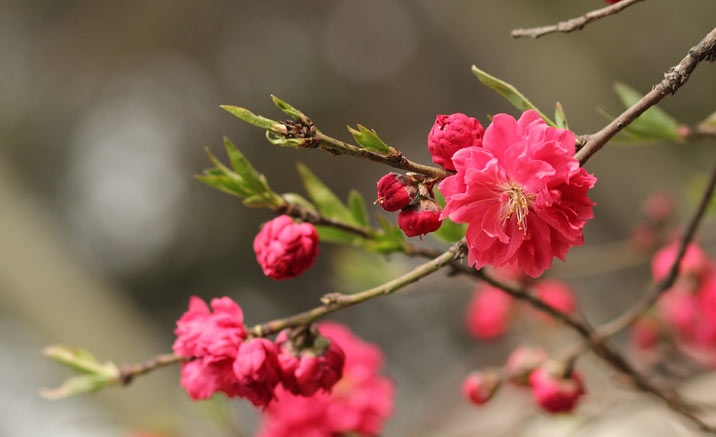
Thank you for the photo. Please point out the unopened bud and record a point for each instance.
(420, 219)
(395, 192)
(451, 133)
(480, 386)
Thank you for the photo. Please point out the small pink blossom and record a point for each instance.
(522, 194)
(317, 364)
(285, 249)
(645, 333)
(556, 393)
(395, 192)
(659, 206)
(358, 404)
(422, 218)
(694, 262)
(257, 370)
(556, 294)
(480, 386)
(522, 362)
(212, 339)
(451, 133)
(488, 312)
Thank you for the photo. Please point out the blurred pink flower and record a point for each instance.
(488, 313)
(212, 339)
(285, 249)
(358, 404)
(694, 262)
(305, 370)
(556, 393)
(480, 386)
(257, 370)
(556, 294)
(522, 194)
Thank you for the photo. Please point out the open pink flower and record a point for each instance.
(257, 370)
(358, 404)
(522, 194)
(212, 339)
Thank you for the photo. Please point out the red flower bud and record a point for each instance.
(310, 363)
(480, 386)
(522, 362)
(257, 370)
(285, 249)
(395, 192)
(553, 391)
(420, 219)
(451, 133)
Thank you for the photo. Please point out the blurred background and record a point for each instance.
(105, 111)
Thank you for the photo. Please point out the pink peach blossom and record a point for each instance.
(285, 249)
(522, 194)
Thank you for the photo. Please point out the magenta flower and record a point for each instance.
(488, 313)
(395, 192)
(257, 370)
(421, 218)
(522, 194)
(307, 368)
(357, 405)
(554, 392)
(451, 133)
(212, 339)
(285, 249)
(480, 386)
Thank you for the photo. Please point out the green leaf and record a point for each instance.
(289, 110)
(329, 234)
(450, 231)
(252, 180)
(227, 184)
(77, 358)
(329, 205)
(653, 125)
(509, 92)
(560, 118)
(75, 385)
(368, 139)
(358, 208)
(251, 118)
(391, 239)
(299, 200)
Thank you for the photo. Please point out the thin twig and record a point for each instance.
(632, 314)
(128, 372)
(333, 302)
(574, 23)
(674, 79)
(394, 159)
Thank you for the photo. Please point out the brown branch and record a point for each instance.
(674, 79)
(333, 302)
(632, 314)
(394, 159)
(315, 218)
(574, 23)
(128, 372)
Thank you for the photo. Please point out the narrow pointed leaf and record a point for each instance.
(509, 92)
(252, 179)
(329, 205)
(77, 358)
(75, 385)
(288, 109)
(224, 183)
(368, 139)
(329, 234)
(653, 125)
(358, 208)
(560, 118)
(251, 118)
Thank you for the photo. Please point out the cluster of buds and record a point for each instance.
(223, 359)
(411, 195)
(285, 249)
(685, 315)
(490, 311)
(555, 388)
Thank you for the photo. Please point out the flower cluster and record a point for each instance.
(555, 388)
(285, 249)
(323, 380)
(490, 311)
(521, 192)
(685, 315)
(419, 213)
(222, 358)
(359, 403)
